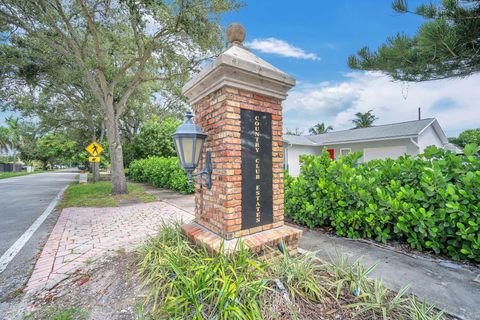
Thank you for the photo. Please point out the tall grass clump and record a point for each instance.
(348, 277)
(301, 275)
(184, 281)
(187, 283)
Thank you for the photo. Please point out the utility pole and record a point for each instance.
(419, 113)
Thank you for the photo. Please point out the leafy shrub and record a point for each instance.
(162, 173)
(431, 201)
(154, 139)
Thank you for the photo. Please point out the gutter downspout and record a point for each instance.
(416, 144)
(285, 156)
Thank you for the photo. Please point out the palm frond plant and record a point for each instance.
(5, 139)
(320, 128)
(378, 303)
(421, 310)
(186, 282)
(300, 275)
(350, 277)
(364, 120)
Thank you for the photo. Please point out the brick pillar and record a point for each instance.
(237, 102)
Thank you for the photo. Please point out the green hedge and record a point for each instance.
(160, 172)
(431, 202)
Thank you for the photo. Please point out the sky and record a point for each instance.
(311, 41)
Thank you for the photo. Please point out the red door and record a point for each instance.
(332, 153)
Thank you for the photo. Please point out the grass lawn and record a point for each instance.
(60, 314)
(100, 195)
(4, 175)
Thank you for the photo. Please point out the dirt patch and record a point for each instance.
(108, 288)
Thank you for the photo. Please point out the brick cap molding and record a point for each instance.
(239, 68)
(257, 242)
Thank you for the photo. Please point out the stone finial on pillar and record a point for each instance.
(235, 34)
(237, 101)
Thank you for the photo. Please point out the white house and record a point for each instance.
(378, 142)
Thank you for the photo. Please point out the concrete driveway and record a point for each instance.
(23, 200)
(453, 287)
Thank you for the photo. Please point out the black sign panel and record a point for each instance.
(257, 191)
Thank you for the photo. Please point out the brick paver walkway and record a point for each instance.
(82, 234)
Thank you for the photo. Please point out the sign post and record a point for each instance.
(95, 150)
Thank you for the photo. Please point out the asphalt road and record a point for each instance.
(22, 200)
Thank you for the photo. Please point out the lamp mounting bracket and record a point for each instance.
(206, 173)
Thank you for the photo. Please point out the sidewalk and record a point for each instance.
(448, 285)
(82, 234)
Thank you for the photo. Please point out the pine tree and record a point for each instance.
(447, 45)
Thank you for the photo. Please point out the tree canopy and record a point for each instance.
(55, 148)
(5, 141)
(447, 45)
(470, 136)
(294, 132)
(364, 120)
(10, 136)
(320, 128)
(154, 139)
(98, 54)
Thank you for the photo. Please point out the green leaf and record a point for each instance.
(470, 149)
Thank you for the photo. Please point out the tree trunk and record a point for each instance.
(119, 182)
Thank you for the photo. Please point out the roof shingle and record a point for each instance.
(387, 131)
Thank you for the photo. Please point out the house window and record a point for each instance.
(345, 151)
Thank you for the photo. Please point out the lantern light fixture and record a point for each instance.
(189, 140)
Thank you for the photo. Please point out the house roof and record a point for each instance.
(451, 147)
(299, 140)
(408, 129)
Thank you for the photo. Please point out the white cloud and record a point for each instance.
(454, 102)
(281, 48)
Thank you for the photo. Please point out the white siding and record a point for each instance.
(411, 149)
(385, 149)
(429, 138)
(383, 153)
(292, 156)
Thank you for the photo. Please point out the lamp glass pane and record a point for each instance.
(187, 144)
(179, 151)
(198, 150)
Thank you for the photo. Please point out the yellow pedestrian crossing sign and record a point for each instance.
(94, 149)
(93, 159)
